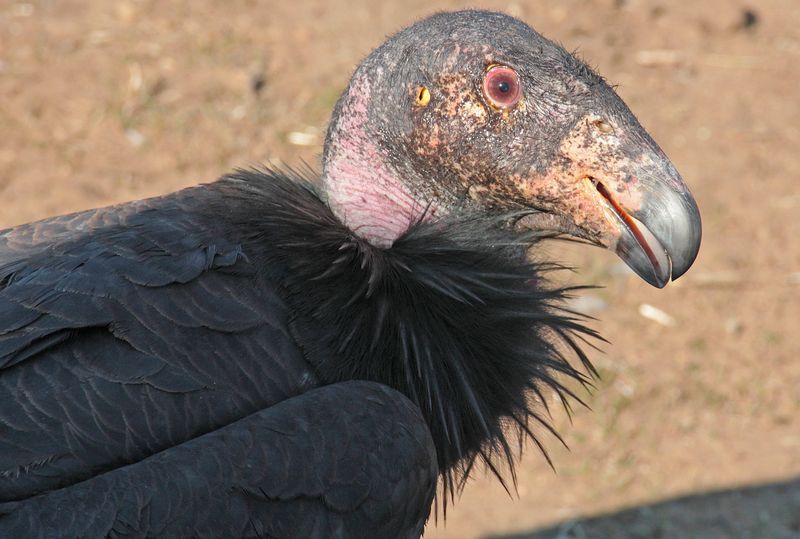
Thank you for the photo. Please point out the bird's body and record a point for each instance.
(137, 328)
(185, 365)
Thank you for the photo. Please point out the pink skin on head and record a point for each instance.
(362, 190)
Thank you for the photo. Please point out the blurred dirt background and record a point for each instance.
(694, 427)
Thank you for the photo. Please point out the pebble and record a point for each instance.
(658, 58)
(656, 315)
(238, 112)
(135, 137)
(749, 19)
(733, 326)
(307, 137)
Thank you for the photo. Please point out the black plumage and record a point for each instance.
(185, 313)
(270, 355)
(312, 466)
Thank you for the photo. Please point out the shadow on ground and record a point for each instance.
(769, 511)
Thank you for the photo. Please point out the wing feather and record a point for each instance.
(348, 460)
(125, 331)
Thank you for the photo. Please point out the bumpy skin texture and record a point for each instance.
(390, 159)
(461, 148)
(312, 466)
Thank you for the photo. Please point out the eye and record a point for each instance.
(501, 86)
(423, 96)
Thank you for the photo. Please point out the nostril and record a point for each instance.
(603, 126)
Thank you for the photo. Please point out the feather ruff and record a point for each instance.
(455, 315)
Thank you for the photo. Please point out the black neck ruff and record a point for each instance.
(454, 315)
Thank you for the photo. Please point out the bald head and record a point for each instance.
(477, 110)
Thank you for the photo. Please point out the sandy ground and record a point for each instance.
(694, 427)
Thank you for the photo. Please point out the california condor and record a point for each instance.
(280, 355)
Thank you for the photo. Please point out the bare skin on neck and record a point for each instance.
(363, 191)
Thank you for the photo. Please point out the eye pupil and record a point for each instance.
(504, 87)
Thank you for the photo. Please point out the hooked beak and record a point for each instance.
(616, 188)
(661, 237)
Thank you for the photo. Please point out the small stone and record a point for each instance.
(625, 389)
(135, 137)
(257, 83)
(656, 315)
(658, 58)
(135, 77)
(307, 137)
(238, 112)
(733, 326)
(749, 20)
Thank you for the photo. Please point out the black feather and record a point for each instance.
(455, 315)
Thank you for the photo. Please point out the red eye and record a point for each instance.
(501, 87)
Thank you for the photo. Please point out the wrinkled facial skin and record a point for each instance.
(460, 137)
(569, 148)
